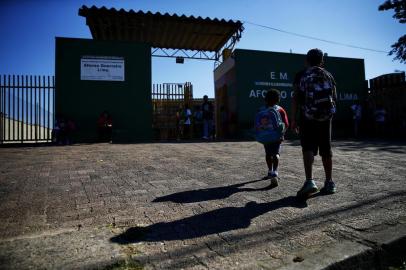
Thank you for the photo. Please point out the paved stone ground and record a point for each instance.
(192, 206)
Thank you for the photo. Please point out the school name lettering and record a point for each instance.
(282, 75)
(347, 96)
(102, 66)
(274, 84)
(260, 93)
(102, 69)
(278, 80)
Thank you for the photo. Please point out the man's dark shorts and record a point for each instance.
(316, 136)
(272, 149)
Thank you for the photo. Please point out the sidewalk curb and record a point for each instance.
(371, 251)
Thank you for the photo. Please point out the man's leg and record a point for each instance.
(308, 159)
(309, 187)
(109, 134)
(309, 150)
(326, 154)
(329, 185)
(308, 141)
(325, 148)
(205, 129)
(328, 167)
(211, 129)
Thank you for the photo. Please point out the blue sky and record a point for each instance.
(28, 30)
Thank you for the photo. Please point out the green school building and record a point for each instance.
(112, 72)
(242, 80)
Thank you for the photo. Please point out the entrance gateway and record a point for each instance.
(112, 71)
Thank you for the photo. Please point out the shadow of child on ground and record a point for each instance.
(212, 222)
(216, 193)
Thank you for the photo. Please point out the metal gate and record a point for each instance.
(167, 98)
(27, 106)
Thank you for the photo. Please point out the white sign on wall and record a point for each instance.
(101, 68)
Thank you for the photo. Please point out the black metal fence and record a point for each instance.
(167, 98)
(27, 106)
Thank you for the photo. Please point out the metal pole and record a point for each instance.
(9, 107)
(53, 100)
(35, 108)
(1, 111)
(31, 108)
(39, 107)
(44, 129)
(14, 107)
(49, 112)
(26, 107)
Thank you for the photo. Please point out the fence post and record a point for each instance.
(1, 111)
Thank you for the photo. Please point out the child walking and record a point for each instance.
(271, 124)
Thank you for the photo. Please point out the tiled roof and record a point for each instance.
(160, 30)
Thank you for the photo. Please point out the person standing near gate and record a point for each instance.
(380, 117)
(315, 95)
(179, 123)
(187, 130)
(197, 121)
(207, 109)
(105, 127)
(356, 117)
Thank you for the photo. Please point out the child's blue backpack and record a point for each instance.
(269, 127)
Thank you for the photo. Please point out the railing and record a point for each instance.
(27, 106)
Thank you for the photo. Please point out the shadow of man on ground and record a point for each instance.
(208, 194)
(212, 222)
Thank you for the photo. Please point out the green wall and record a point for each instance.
(257, 71)
(128, 101)
(226, 96)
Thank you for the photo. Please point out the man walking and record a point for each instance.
(315, 96)
(356, 116)
(207, 108)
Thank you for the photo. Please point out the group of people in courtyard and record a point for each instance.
(370, 119)
(199, 123)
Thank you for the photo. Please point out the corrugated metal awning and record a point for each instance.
(161, 30)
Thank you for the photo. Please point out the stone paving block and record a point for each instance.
(191, 206)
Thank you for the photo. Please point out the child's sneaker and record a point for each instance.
(274, 181)
(308, 188)
(273, 175)
(329, 187)
(270, 175)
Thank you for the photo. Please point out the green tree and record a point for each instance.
(399, 6)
